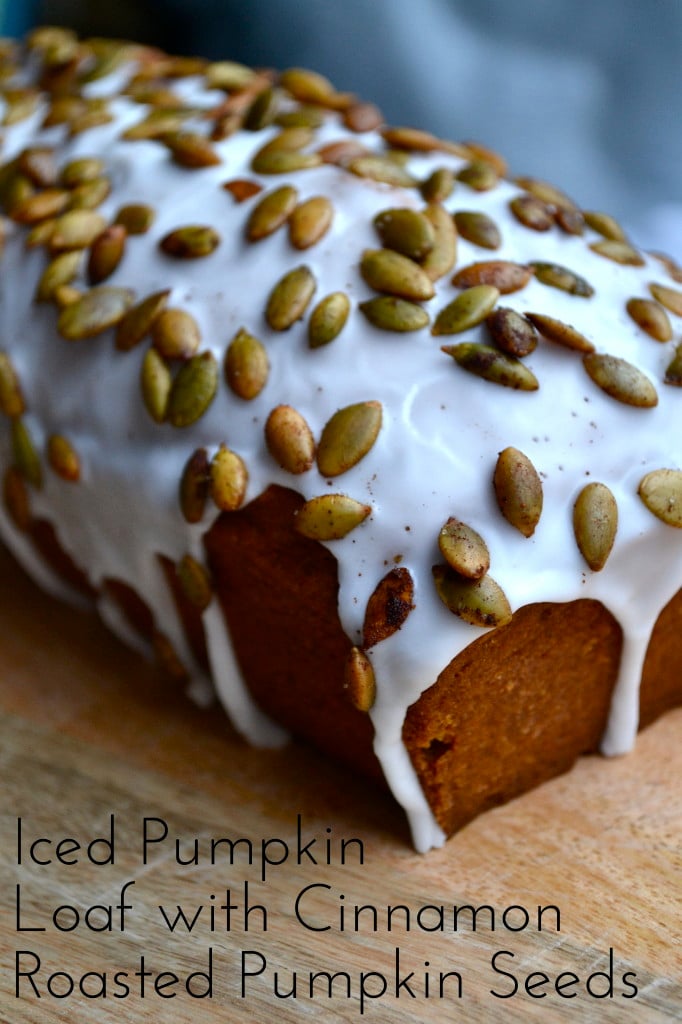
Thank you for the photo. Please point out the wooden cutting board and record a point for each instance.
(90, 731)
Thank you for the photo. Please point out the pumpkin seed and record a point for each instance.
(229, 76)
(388, 607)
(263, 110)
(78, 172)
(439, 185)
(25, 454)
(604, 224)
(193, 241)
(194, 486)
(504, 275)
(38, 164)
(310, 221)
(479, 175)
(246, 365)
(546, 192)
(492, 365)
(273, 210)
(90, 194)
(478, 602)
(289, 439)
(11, 398)
(619, 252)
(76, 229)
(511, 332)
(40, 234)
(341, 153)
(347, 437)
(621, 380)
(229, 479)
(413, 139)
(66, 294)
(61, 270)
(490, 156)
(156, 382)
(136, 218)
(556, 276)
(94, 312)
(40, 206)
(405, 231)
(362, 117)
(648, 315)
(464, 549)
(673, 373)
(175, 334)
(138, 321)
(63, 458)
(595, 521)
(195, 582)
(167, 657)
(290, 298)
(382, 169)
(359, 681)
(661, 492)
(190, 149)
(303, 116)
(19, 105)
(106, 252)
(478, 228)
(671, 298)
(242, 189)
(393, 314)
(158, 124)
(518, 490)
(470, 308)
(16, 499)
(289, 140)
(561, 333)
(532, 212)
(193, 390)
(390, 272)
(330, 516)
(328, 319)
(571, 221)
(307, 86)
(284, 161)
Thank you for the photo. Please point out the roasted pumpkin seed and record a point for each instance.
(661, 492)
(94, 312)
(504, 275)
(191, 242)
(106, 252)
(290, 298)
(41, 206)
(136, 218)
(393, 314)
(478, 602)
(362, 117)
(246, 365)
(63, 458)
(604, 224)
(619, 252)
(532, 212)
(282, 161)
(229, 479)
(289, 439)
(405, 231)
(25, 454)
(464, 549)
(479, 175)
(511, 332)
(439, 185)
(156, 382)
(137, 322)
(492, 365)
(193, 390)
(518, 490)
(347, 437)
(61, 270)
(470, 308)
(648, 315)
(478, 228)
(11, 398)
(273, 210)
(388, 607)
(556, 276)
(359, 681)
(175, 334)
(76, 229)
(390, 272)
(382, 169)
(330, 516)
(190, 149)
(561, 333)
(621, 380)
(195, 582)
(673, 373)
(328, 319)
(82, 170)
(595, 522)
(310, 221)
(16, 498)
(671, 298)
(194, 486)
(441, 259)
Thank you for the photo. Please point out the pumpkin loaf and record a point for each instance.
(346, 421)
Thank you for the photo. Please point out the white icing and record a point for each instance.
(442, 429)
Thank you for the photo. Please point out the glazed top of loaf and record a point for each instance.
(257, 198)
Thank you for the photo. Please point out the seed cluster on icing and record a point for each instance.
(217, 278)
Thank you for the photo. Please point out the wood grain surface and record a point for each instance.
(89, 730)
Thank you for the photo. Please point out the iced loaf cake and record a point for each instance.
(384, 442)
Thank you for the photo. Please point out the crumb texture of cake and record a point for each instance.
(380, 439)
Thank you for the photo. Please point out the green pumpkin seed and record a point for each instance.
(405, 231)
(40, 234)
(289, 140)
(661, 492)
(194, 486)
(570, 221)
(106, 252)
(229, 479)
(38, 164)
(604, 224)
(504, 275)
(190, 149)
(138, 321)
(330, 517)
(383, 169)
(359, 681)
(16, 499)
(479, 175)
(195, 582)
(648, 315)
(191, 242)
(193, 390)
(595, 522)
(478, 228)
(90, 194)
(263, 110)
(347, 437)
(158, 124)
(61, 270)
(290, 298)
(76, 229)
(310, 221)
(136, 218)
(619, 252)
(464, 549)
(156, 382)
(300, 117)
(328, 319)
(307, 86)
(492, 365)
(511, 332)
(167, 657)
(673, 373)
(289, 439)
(94, 312)
(671, 298)
(63, 458)
(470, 308)
(441, 259)
(78, 172)
(273, 210)
(388, 607)
(41, 206)
(561, 333)
(25, 454)
(284, 161)
(229, 76)
(547, 192)
(246, 365)
(439, 185)
(66, 294)
(556, 276)
(19, 105)
(518, 490)
(621, 380)
(390, 272)
(175, 334)
(478, 602)
(532, 212)
(392, 314)
(11, 398)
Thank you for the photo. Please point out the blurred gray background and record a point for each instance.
(587, 93)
